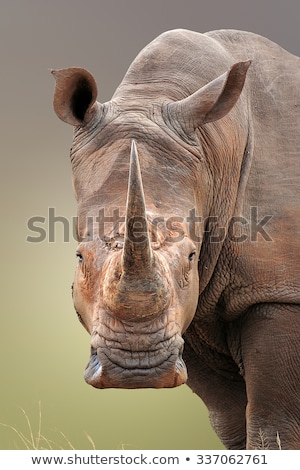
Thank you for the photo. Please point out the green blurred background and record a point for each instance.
(43, 349)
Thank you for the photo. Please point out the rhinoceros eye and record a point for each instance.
(192, 255)
(79, 257)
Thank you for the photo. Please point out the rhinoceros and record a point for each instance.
(187, 184)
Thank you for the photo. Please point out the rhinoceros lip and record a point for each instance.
(160, 369)
(93, 369)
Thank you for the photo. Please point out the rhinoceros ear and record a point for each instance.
(210, 103)
(74, 95)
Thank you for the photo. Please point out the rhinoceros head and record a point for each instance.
(136, 285)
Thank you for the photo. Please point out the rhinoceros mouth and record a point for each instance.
(140, 371)
(152, 360)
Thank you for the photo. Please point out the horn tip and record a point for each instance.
(133, 147)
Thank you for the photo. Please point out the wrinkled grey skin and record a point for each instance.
(208, 133)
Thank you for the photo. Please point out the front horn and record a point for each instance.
(137, 254)
(138, 286)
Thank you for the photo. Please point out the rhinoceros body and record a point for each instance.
(188, 187)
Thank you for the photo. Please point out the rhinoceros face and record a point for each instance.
(136, 293)
(136, 289)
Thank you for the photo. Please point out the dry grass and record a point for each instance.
(35, 440)
(278, 441)
(263, 441)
